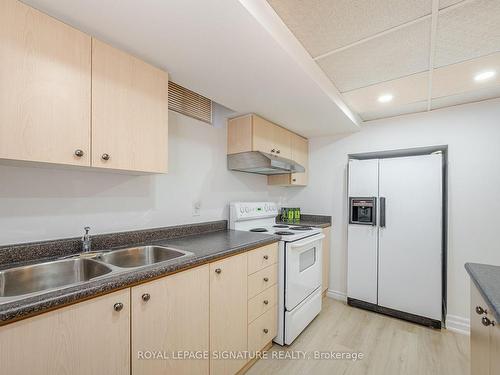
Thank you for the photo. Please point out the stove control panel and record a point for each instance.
(252, 210)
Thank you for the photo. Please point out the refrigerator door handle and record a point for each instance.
(382, 212)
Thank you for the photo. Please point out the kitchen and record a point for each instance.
(84, 144)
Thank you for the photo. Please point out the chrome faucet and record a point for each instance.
(86, 241)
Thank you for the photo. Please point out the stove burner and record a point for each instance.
(283, 233)
(258, 230)
(280, 226)
(300, 228)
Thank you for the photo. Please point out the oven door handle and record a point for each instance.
(307, 240)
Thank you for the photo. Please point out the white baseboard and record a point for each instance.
(339, 296)
(458, 324)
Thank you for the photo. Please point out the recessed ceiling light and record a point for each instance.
(484, 76)
(386, 98)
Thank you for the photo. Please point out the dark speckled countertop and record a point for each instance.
(206, 247)
(487, 280)
(319, 221)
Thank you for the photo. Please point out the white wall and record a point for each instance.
(48, 203)
(472, 133)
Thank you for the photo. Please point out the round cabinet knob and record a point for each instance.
(218, 270)
(480, 310)
(486, 322)
(266, 279)
(294, 180)
(79, 153)
(278, 151)
(118, 306)
(265, 330)
(266, 302)
(266, 257)
(146, 297)
(105, 157)
(273, 150)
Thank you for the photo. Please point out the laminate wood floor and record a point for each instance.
(390, 346)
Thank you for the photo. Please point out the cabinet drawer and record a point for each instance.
(263, 329)
(261, 280)
(262, 302)
(262, 257)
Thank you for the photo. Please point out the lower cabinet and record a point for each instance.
(484, 337)
(192, 322)
(87, 338)
(262, 297)
(170, 321)
(228, 314)
(263, 330)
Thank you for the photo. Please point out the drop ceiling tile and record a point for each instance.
(466, 97)
(387, 57)
(394, 111)
(459, 78)
(324, 25)
(468, 31)
(446, 3)
(406, 90)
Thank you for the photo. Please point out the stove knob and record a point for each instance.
(247, 210)
(242, 210)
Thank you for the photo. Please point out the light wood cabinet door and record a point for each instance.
(495, 349)
(263, 330)
(44, 88)
(270, 138)
(88, 338)
(479, 336)
(129, 112)
(228, 312)
(283, 142)
(262, 257)
(171, 315)
(263, 135)
(326, 258)
(300, 154)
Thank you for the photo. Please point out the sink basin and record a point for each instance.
(141, 256)
(43, 276)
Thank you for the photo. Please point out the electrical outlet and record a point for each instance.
(196, 208)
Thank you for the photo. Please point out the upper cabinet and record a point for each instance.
(270, 138)
(66, 98)
(129, 112)
(300, 154)
(253, 133)
(44, 88)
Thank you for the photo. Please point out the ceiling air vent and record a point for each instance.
(189, 103)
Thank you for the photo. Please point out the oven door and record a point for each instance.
(303, 269)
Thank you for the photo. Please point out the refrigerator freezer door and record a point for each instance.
(410, 247)
(362, 239)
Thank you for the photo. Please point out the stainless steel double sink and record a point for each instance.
(41, 277)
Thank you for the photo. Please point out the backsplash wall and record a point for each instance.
(41, 203)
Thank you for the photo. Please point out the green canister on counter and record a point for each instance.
(296, 215)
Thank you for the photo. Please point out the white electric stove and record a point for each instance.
(299, 265)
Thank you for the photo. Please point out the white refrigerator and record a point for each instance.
(395, 237)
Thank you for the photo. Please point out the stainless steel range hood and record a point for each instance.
(262, 163)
